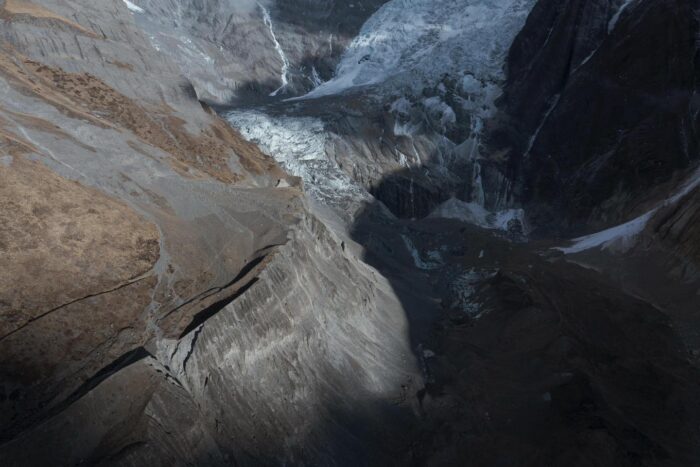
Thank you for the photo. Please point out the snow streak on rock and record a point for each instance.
(618, 13)
(619, 238)
(285, 63)
(132, 7)
(434, 260)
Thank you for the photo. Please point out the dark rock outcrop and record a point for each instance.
(603, 108)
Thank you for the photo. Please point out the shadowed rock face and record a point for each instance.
(540, 361)
(601, 125)
(603, 108)
(534, 360)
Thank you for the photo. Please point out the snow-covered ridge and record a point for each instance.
(622, 237)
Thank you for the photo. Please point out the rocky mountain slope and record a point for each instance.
(234, 50)
(602, 124)
(365, 261)
(417, 120)
(152, 257)
(599, 74)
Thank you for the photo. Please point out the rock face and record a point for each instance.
(159, 270)
(537, 361)
(345, 278)
(603, 107)
(250, 51)
(601, 124)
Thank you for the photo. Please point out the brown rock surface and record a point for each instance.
(62, 242)
(132, 218)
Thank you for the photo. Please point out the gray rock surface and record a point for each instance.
(240, 50)
(134, 218)
(179, 293)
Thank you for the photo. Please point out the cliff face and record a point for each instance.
(602, 96)
(601, 127)
(154, 262)
(236, 51)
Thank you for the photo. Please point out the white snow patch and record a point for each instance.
(474, 213)
(132, 7)
(471, 85)
(434, 259)
(619, 238)
(622, 237)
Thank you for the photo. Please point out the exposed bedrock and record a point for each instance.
(235, 51)
(600, 121)
(534, 360)
(309, 363)
(603, 107)
(167, 296)
(344, 279)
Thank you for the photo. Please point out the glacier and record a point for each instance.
(299, 145)
(405, 48)
(413, 43)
